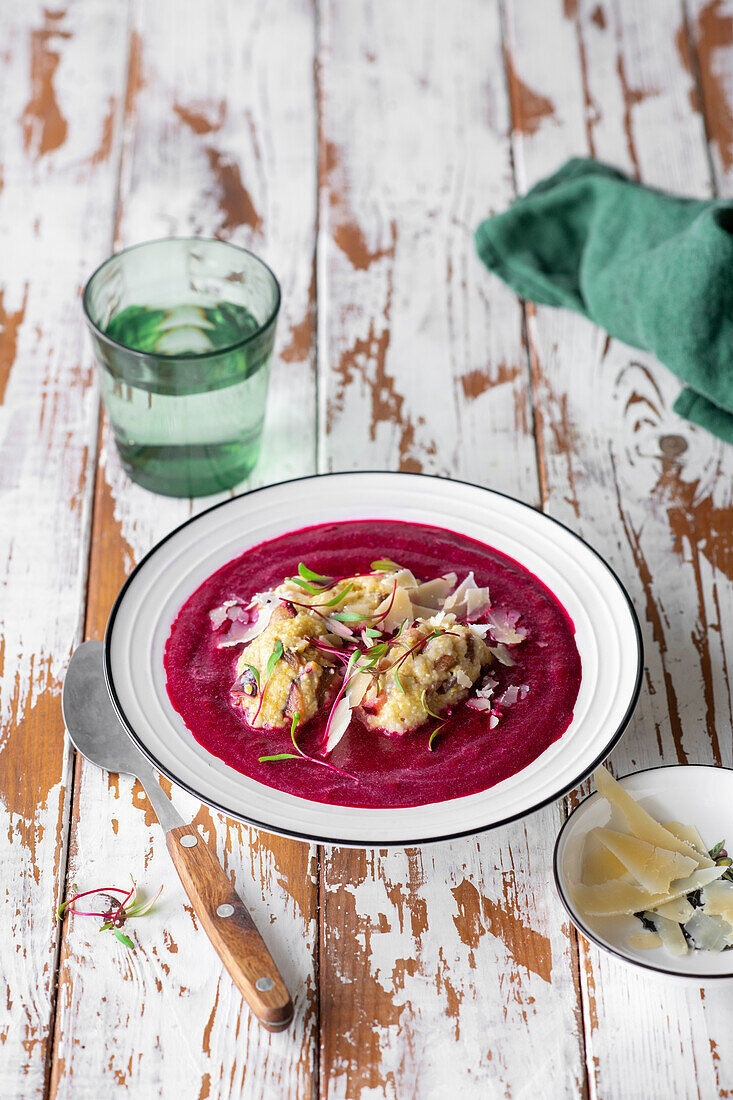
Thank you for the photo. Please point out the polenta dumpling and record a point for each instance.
(301, 681)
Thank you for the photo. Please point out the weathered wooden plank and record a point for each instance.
(448, 968)
(650, 492)
(704, 46)
(707, 54)
(56, 194)
(219, 140)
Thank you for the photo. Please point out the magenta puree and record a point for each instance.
(396, 770)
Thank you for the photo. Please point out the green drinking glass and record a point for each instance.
(183, 331)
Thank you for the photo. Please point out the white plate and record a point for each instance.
(695, 794)
(607, 636)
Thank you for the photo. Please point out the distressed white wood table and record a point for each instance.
(354, 145)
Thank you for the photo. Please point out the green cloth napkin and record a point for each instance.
(653, 270)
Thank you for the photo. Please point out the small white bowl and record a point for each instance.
(694, 794)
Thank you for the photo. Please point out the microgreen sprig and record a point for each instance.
(315, 578)
(274, 657)
(272, 660)
(318, 643)
(418, 645)
(434, 734)
(319, 592)
(117, 912)
(255, 672)
(338, 597)
(287, 755)
(384, 565)
(300, 755)
(312, 588)
(719, 853)
(376, 653)
(426, 706)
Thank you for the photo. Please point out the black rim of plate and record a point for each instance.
(368, 843)
(587, 932)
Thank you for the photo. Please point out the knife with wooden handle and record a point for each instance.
(226, 921)
(97, 733)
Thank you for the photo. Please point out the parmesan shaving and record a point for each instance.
(400, 610)
(652, 867)
(670, 933)
(644, 940)
(503, 626)
(717, 899)
(689, 834)
(404, 579)
(600, 866)
(615, 898)
(477, 601)
(468, 600)
(246, 632)
(420, 612)
(502, 655)
(220, 614)
(433, 593)
(459, 596)
(462, 679)
(679, 910)
(479, 703)
(641, 824)
(340, 720)
(708, 932)
(337, 627)
(358, 688)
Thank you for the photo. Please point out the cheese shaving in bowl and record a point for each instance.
(662, 874)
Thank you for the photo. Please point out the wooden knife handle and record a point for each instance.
(230, 928)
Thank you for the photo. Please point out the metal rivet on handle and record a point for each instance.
(225, 910)
(189, 840)
(264, 985)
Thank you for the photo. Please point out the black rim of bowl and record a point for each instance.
(587, 932)
(368, 843)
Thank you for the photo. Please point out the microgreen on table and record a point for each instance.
(117, 911)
